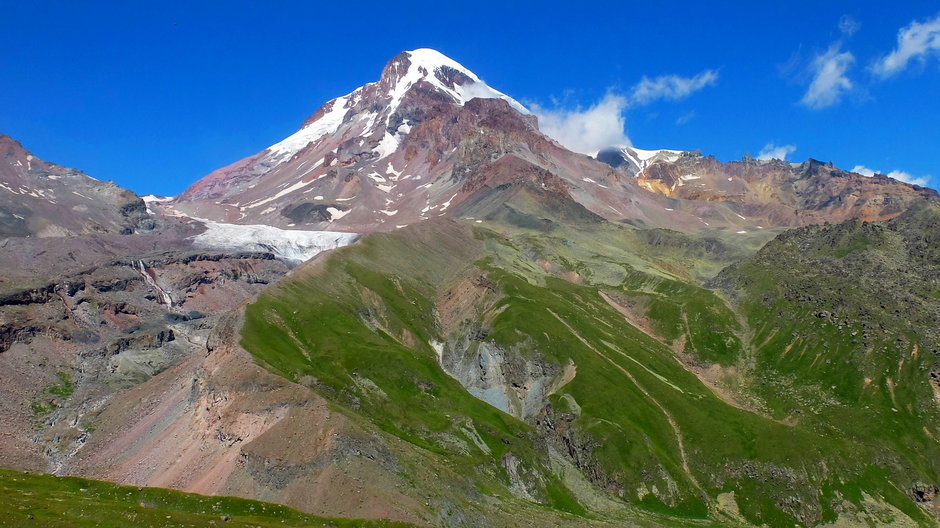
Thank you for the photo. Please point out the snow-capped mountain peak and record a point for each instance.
(366, 126)
(434, 67)
(447, 77)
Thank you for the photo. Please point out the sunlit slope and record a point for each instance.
(48, 501)
(564, 366)
(846, 337)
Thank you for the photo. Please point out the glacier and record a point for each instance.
(294, 246)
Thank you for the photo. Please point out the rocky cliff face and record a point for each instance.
(43, 199)
(416, 143)
(98, 315)
(778, 192)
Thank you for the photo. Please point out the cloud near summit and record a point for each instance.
(899, 175)
(774, 151)
(586, 130)
(603, 124)
(830, 82)
(670, 87)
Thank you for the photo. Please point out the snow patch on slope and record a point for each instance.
(646, 155)
(327, 124)
(644, 158)
(388, 145)
(149, 199)
(287, 190)
(291, 245)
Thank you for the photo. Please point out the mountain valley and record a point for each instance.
(421, 309)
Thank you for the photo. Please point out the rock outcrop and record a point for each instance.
(38, 198)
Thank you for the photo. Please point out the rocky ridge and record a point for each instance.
(43, 199)
(419, 141)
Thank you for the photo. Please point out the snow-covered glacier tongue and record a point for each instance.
(294, 246)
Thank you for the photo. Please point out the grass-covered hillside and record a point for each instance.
(70, 502)
(845, 338)
(587, 370)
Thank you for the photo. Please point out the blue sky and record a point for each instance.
(156, 95)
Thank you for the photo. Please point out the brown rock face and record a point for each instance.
(83, 318)
(223, 425)
(809, 192)
(403, 149)
(38, 198)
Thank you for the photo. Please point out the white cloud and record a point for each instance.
(586, 131)
(915, 42)
(670, 87)
(685, 118)
(908, 178)
(849, 25)
(899, 175)
(829, 80)
(602, 124)
(780, 152)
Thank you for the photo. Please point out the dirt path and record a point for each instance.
(633, 319)
(672, 422)
(709, 376)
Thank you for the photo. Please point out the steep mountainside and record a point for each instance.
(86, 316)
(548, 358)
(783, 193)
(522, 335)
(120, 312)
(845, 325)
(417, 143)
(804, 421)
(43, 199)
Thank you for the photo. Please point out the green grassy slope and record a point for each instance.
(48, 501)
(846, 334)
(636, 422)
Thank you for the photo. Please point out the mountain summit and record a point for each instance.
(388, 106)
(365, 128)
(429, 135)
